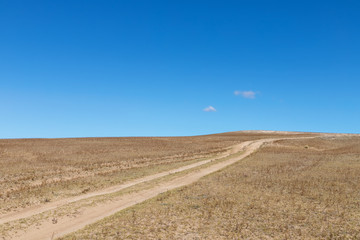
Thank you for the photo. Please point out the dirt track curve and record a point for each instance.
(48, 230)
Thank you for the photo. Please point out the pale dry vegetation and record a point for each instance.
(292, 189)
(36, 171)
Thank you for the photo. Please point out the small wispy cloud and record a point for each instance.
(209, 109)
(246, 94)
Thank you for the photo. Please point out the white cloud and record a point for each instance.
(246, 94)
(209, 109)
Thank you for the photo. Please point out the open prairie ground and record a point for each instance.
(289, 189)
(36, 171)
(303, 186)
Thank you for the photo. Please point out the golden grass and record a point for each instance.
(73, 209)
(293, 189)
(35, 171)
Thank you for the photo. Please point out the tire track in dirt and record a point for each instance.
(66, 225)
(28, 212)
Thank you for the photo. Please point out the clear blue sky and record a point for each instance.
(151, 68)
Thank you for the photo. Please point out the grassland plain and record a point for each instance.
(37, 171)
(40, 214)
(291, 189)
(68, 218)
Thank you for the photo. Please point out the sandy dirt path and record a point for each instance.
(66, 225)
(28, 212)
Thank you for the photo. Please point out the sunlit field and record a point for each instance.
(37, 171)
(290, 189)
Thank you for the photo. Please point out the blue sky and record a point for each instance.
(153, 68)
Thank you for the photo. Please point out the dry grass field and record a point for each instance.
(290, 189)
(37, 171)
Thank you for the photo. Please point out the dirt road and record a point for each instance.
(68, 224)
(28, 212)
